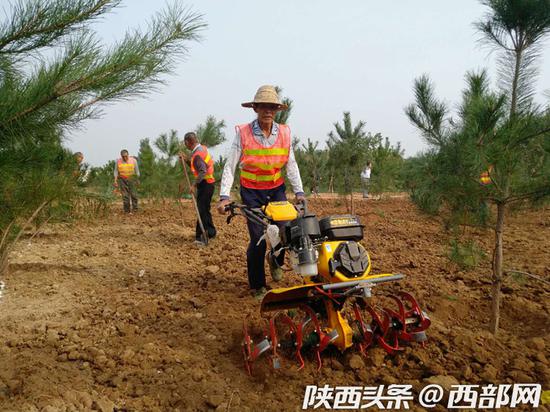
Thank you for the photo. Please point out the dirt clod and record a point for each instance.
(356, 362)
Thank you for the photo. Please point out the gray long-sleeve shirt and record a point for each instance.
(235, 153)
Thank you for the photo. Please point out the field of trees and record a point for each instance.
(106, 312)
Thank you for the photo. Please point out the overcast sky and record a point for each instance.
(359, 56)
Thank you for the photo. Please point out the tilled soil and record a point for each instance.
(126, 313)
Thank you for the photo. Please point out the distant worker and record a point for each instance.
(81, 170)
(79, 157)
(485, 177)
(261, 148)
(202, 166)
(365, 179)
(126, 180)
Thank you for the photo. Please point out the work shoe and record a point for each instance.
(275, 269)
(276, 274)
(258, 294)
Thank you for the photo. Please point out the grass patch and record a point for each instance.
(467, 255)
(380, 213)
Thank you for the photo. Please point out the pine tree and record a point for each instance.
(210, 133)
(169, 145)
(44, 95)
(311, 162)
(348, 151)
(500, 135)
(281, 117)
(387, 161)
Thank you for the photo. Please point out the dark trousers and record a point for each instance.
(205, 191)
(128, 191)
(255, 254)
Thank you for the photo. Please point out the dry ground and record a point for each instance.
(126, 312)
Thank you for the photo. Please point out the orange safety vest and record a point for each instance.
(126, 170)
(485, 177)
(261, 166)
(204, 155)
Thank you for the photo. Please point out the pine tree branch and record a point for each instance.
(151, 57)
(41, 31)
(531, 136)
(540, 279)
(530, 195)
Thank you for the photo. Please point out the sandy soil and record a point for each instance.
(125, 313)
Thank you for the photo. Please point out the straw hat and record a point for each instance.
(266, 94)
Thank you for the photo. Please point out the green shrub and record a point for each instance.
(467, 255)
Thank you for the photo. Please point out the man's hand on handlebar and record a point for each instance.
(300, 198)
(222, 206)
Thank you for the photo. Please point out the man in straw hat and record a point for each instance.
(261, 148)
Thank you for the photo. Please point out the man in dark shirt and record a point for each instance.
(202, 166)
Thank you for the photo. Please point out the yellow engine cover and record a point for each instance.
(326, 252)
(280, 211)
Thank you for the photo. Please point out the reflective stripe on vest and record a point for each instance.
(261, 166)
(485, 179)
(126, 170)
(260, 178)
(204, 155)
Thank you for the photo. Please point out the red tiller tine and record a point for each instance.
(388, 330)
(376, 319)
(380, 329)
(402, 332)
(324, 339)
(362, 348)
(415, 307)
(247, 343)
(252, 351)
(274, 342)
(423, 320)
(300, 340)
(297, 331)
(401, 307)
(247, 364)
(299, 343)
(366, 335)
(319, 361)
(386, 346)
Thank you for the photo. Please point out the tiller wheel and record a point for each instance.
(389, 327)
(289, 336)
(316, 335)
(252, 351)
(409, 323)
(372, 325)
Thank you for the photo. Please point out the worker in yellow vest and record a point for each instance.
(126, 180)
(485, 177)
(202, 167)
(261, 148)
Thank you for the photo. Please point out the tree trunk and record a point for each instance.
(351, 202)
(497, 268)
(3, 261)
(515, 82)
